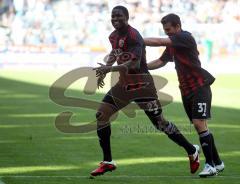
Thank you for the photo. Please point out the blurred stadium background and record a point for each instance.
(44, 31)
(41, 40)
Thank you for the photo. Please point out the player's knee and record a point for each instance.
(102, 119)
(101, 116)
(98, 115)
(200, 125)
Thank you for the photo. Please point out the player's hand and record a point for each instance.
(102, 69)
(100, 81)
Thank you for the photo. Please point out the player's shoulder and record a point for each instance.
(134, 33)
(113, 34)
(186, 35)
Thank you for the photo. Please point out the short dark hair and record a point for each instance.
(172, 18)
(124, 9)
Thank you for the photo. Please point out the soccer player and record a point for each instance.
(135, 85)
(194, 85)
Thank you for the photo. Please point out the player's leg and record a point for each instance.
(105, 111)
(206, 144)
(201, 112)
(109, 106)
(216, 158)
(219, 164)
(153, 110)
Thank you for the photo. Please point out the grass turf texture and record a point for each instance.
(33, 151)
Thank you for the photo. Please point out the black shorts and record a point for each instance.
(198, 104)
(144, 95)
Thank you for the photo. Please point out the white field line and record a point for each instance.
(121, 176)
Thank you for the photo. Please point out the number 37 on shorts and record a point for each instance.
(202, 109)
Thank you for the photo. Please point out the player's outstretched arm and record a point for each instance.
(155, 42)
(109, 60)
(104, 69)
(100, 81)
(157, 63)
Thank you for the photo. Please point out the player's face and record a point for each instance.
(170, 30)
(118, 19)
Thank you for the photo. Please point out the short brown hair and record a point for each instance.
(171, 18)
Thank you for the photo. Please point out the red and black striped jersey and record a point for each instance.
(130, 46)
(183, 52)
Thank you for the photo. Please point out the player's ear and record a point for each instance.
(178, 27)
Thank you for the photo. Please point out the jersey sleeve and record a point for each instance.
(135, 48)
(136, 45)
(184, 40)
(166, 56)
(112, 39)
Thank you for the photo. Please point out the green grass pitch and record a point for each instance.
(33, 151)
